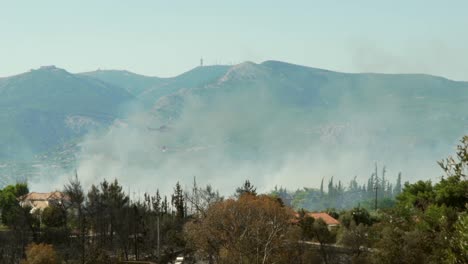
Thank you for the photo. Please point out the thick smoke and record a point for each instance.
(238, 136)
(225, 134)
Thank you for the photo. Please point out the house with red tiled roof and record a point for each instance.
(40, 201)
(328, 219)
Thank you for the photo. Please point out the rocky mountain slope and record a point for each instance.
(44, 108)
(257, 113)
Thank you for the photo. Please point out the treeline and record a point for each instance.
(101, 225)
(427, 224)
(339, 195)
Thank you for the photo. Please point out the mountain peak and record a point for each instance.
(50, 69)
(245, 70)
(281, 65)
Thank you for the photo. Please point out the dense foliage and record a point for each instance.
(340, 196)
(40, 254)
(426, 223)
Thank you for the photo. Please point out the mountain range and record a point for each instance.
(246, 111)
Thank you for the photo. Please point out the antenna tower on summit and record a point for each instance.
(201, 62)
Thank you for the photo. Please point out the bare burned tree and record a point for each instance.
(75, 193)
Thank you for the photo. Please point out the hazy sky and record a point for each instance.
(165, 38)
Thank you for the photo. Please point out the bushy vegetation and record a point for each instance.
(40, 254)
(426, 223)
(340, 196)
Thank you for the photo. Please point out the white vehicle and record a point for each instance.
(179, 260)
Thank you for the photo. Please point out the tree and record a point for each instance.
(399, 246)
(179, 201)
(419, 195)
(397, 189)
(306, 223)
(9, 205)
(252, 229)
(247, 188)
(457, 166)
(156, 203)
(321, 188)
(96, 210)
(202, 198)
(428, 225)
(331, 188)
(356, 216)
(18, 218)
(358, 239)
(452, 191)
(324, 236)
(458, 246)
(370, 186)
(74, 192)
(118, 212)
(383, 184)
(54, 216)
(165, 206)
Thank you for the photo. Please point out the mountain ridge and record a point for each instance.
(272, 62)
(250, 111)
(38, 105)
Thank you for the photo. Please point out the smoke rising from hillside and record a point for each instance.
(243, 134)
(277, 124)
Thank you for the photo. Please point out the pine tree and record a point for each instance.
(397, 189)
(389, 192)
(247, 188)
(74, 191)
(331, 188)
(156, 202)
(179, 201)
(339, 188)
(321, 188)
(370, 186)
(353, 185)
(383, 183)
(165, 206)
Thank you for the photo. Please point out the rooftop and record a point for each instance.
(35, 196)
(329, 220)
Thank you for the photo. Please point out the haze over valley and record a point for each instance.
(274, 123)
(228, 132)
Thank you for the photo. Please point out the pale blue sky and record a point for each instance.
(165, 38)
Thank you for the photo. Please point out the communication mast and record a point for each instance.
(201, 62)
